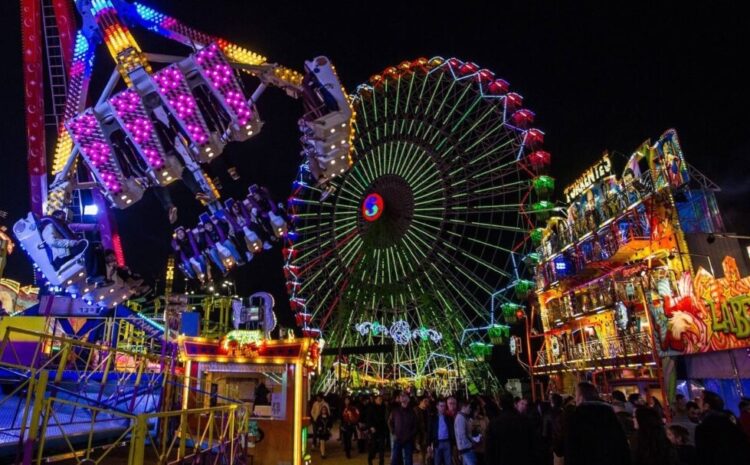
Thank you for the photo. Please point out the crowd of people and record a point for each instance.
(584, 429)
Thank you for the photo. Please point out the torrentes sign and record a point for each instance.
(600, 170)
(706, 314)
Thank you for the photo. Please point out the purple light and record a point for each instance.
(85, 131)
(173, 86)
(129, 108)
(221, 76)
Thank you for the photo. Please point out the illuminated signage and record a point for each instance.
(600, 170)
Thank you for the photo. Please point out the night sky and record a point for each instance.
(597, 79)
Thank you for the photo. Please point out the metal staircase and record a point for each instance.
(58, 80)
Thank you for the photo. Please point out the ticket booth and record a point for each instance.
(233, 368)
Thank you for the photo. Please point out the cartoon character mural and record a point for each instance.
(705, 314)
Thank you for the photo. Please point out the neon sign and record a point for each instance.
(600, 170)
(372, 207)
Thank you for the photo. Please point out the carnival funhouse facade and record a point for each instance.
(639, 286)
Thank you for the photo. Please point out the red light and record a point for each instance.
(372, 207)
(117, 246)
(498, 87)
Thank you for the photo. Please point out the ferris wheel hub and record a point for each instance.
(387, 211)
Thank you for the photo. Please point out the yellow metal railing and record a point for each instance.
(54, 420)
(174, 437)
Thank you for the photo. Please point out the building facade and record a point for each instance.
(626, 284)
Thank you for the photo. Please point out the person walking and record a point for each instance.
(593, 433)
(442, 435)
(744, 419)
(363, 433)
(349, 422)
(509, 437)
(323, 429)
(480, 424)
(403, 424)
(552, 428)
(423, 428)
(464, 440)
(317, 406)
(650, 445)
(377, 427)
(718, 440)
(679, 436)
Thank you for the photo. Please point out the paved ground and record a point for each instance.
(335, 455)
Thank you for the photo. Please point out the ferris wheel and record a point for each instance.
(430, 221)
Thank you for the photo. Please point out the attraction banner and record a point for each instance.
(705, 314)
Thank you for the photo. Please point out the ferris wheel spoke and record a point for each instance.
(436, 86)
(422, 187)
(481, 209)
(364, 115)
(426, 182)
(500, 227)
(481, 262)
(411, 157)
(434, 200)
(365, 169)
(452, 307)
(487, 113)
(385, 105)
(456, 105)
(357, 178)
(477, 241)
(437, 220)
(406, 104)
(464, 297)
(346, 201)
(446, 95)
(411, 250)
(411, 260)
(480, 196)
(381, 159)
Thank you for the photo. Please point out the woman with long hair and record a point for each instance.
(650, 446)
(323, 428)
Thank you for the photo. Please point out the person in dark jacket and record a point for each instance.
(552, 427)
(650, 445)
(377, 427)
(423, 427)
(323, 425)
(679, 436)
(510, 437)
(625, 419)
(363, 433)
(717, 439)
(349, 420)
(744, 420)
(403, 424)
(593, 433)
(442, 435)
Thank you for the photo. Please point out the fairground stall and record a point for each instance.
(616, 283)
(272, 375)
